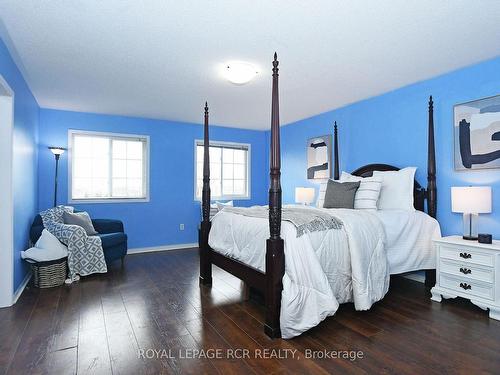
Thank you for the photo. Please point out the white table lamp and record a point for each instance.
(471, 201)
(304, 195)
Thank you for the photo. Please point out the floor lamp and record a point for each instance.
(57, 151)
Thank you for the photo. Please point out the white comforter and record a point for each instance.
(409, 236)
(322, 269)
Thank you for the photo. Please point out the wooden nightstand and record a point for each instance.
(468, 269)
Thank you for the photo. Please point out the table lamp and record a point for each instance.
(471, 201)
(304, 195)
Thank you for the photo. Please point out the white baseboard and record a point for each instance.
(415, 276)
(21, 287)
(139, 250)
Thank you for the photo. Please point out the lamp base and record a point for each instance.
(470, 226)
(469, 238)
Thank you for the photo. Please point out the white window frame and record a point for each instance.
(199, 142)
(124, 136)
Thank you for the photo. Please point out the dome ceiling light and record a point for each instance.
(239, 72)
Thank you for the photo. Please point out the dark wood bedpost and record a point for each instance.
(205, 262)
(430, 275)
(275, 258)
(336, 169)
(431, 165)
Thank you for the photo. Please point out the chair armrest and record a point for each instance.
(107, 226)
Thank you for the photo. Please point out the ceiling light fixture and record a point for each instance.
(239, 72)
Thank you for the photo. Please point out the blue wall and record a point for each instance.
(154, 223)
(392, 128)
(25, 185)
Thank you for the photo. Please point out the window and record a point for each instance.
(229, 170)
(108, 167)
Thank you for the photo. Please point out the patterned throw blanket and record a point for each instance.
(305, 219)
(85, 254)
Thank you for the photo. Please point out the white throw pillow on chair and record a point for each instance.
(48, 247)
(48, 241)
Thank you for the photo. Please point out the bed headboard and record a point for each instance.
(420, 194)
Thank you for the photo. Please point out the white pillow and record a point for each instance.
(397, 189)
(217, 206)
(48, 241)
(221, 205)
(48, 247)
(368, 193)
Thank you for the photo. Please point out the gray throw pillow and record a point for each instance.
(81, 219)
(340, 195)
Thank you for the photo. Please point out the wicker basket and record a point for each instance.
(51, 273)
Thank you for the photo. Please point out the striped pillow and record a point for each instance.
(213, 210)
(368, 193)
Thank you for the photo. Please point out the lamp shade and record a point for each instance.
(471, 199)
(57, 150)
(304, 195)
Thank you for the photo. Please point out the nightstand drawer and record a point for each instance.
(466, 286)
(466, 255)
(469, 271)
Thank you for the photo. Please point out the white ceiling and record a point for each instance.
(160, 59)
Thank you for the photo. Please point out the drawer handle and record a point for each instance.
(465, 255)
(465, 271)
(465, 286)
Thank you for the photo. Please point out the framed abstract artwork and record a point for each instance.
(319, 157)
(477, 134)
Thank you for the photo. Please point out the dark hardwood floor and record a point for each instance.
(106, 324)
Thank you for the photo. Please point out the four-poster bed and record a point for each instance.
(269, 281)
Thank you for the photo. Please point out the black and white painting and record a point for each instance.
(477, 134)
(319, 157)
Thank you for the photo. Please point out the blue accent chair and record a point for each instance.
(114, 240)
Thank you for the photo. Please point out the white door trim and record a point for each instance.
(6, 195)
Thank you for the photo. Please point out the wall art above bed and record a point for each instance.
(319, 157)
(477, 134)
